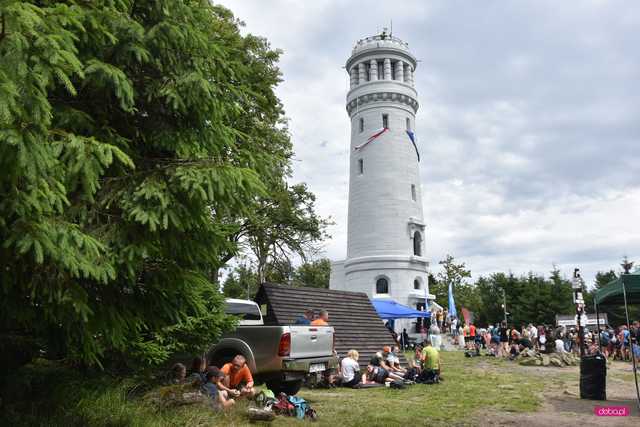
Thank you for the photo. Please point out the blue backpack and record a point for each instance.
(300, 406)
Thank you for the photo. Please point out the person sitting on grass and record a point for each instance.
(350, 369)
(376, 375)
(214, 389)
(238, 380)
(515, 351)
(198, 371)
(178, 373)
(378, 360)
(392, 360)
(431, 367)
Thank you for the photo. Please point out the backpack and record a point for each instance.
(302, 409)
(411, 374)
(397, 384)
(283, 406)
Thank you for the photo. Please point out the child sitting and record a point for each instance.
(212, 389)
(178, 373)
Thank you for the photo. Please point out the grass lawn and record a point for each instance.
(471, 385)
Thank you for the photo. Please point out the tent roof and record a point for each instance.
(611, 293)
(389, 309)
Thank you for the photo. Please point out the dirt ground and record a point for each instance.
(562, 405)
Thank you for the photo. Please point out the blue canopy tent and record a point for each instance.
(389, 309)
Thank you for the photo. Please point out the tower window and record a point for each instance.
(382, 286)
(385, 121)
(408, 123)
(361, 124)
(360, 166)
(413, 192)
(417, 244)
(380, 70)
(416, 284)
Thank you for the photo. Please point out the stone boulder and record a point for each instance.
(544, 359)
(556, 362)
(528, 361)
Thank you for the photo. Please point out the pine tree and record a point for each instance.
(126, 128)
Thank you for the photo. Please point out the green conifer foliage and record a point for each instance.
(126, 127)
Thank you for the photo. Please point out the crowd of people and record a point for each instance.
(502, 340)
(384, 367)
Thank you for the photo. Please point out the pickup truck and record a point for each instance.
(280, 356)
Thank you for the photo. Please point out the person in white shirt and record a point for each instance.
(560, 346)
(350, 369)
(533, 335)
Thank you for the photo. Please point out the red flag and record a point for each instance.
(371, 138)
(467, 315)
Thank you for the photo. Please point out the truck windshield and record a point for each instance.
(245, 311)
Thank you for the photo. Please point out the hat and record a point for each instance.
(214, 372)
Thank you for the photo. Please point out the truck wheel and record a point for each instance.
(287, 387)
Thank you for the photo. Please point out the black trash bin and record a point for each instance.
(593, 377)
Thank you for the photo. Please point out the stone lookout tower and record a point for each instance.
(386, 229)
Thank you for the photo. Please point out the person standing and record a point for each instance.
(405, 338)
(635, 340)
(472, 336)
(454, 330)
(461, 338)
(322, 320)
(504, 339)
(305, 319)
(533, 335)
(434, 335)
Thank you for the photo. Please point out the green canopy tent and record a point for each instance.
(614, 294)
(624, 290)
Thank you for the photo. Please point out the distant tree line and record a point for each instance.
(530, 298)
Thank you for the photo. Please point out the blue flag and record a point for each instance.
(452, 303)
(412, 137)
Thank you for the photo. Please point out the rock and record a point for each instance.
(538, 362)
(556, 362)
(570, 359)
(177, 395)
(529, 361)
(544, 360)
(257, 414)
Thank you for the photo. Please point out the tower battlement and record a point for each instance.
(380, 40)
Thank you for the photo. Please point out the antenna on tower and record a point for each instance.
(391, 31)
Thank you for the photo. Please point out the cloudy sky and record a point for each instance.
(529, 122)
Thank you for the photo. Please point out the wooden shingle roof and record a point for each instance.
(353, 317)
